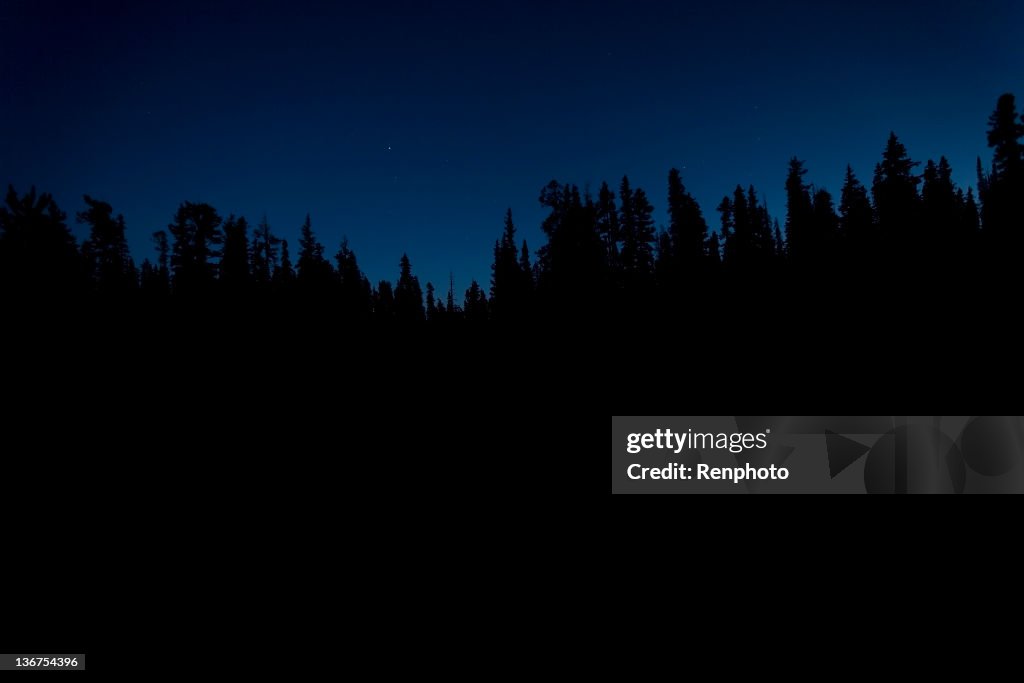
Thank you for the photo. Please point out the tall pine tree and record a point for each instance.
(408, 295)
(197, 237)
(106, 250)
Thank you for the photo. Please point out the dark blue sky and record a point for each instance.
(412, 126)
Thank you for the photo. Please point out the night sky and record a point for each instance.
(412, 126)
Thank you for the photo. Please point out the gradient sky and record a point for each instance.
(412, 126)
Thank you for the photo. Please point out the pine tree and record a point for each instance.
(762, 245)
(284, 273)
(637, 228)
(106, 250)
(163, 271)
(507, 282)
(264, 254)
(855, 217)
(314, 272)
(896, 199)
(475, 306)
(607, 217)
(941, 209)
(431, 303)
(38, 254)
(384, 301)
(687, 228)
(1003, 189)
(1004, 134)
(234, 264)
(357, 300)
(799, 215)
(526, 273)
(724, 244)
(450, 304)
(572, 266)
(824, 226)
(196, 237)
(738, 249)
(408, 295)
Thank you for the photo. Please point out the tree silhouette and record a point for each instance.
(284, 274)
(685, 256)
(799, 216)
(314, 272)
(159, 285)
(432, 310)
(408, 295)
(234, 263)
(896, 200)
(636, 226)
(475, 306)
(527, 278)
(602, 257)
(509, 284)
(942, 211)
(106, 250)
(38, 254)
(354, 288)
(1004, 135)
(725, 243)
(1002, 189)
(607, 219)
(264, 255)
(450, 309)
(196, 237)
(824, 227)
(856, 220)
(573, 263)
(384, 301)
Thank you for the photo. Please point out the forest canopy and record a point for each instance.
(908, 221)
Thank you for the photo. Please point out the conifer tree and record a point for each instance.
(384, 301)
(313, 272)
(799, 215)
(1003, 189)
(38, 254)
(356, 298)
(608, 226)
(688, 230)
(896, 199)
(163, 270)
(284, 273)
(431, 303)
(507, 279)
(106, 250)
(637, 227)
(475, 306)
(197, 237)
(234, 264)
(855, 214)
(264, 254)
(408, 295)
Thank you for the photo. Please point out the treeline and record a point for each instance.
(603, 251)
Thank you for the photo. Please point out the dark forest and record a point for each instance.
(907, 227)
